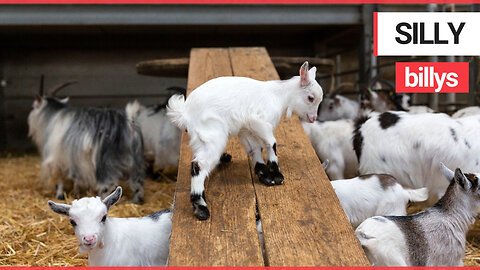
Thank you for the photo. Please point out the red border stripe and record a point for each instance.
(375, 39)
(239, 1)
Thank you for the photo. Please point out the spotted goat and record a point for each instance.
(435, 237)
(110, 241)
(410, 146)
(92, 147)
(243, 107)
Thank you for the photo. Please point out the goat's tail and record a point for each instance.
(175, 111)
(133, 109)
(417, 195)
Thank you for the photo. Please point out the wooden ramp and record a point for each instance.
(303, 222)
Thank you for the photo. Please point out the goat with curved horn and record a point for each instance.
(54, 90)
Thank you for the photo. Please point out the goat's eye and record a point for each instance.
(311, 98)
(104, 218)
(73, 222)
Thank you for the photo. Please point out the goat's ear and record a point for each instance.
(447, 172)
(312, 73)
(113, 198)
(65, 100)
(462, 180)
(59, 208)
(304, 76)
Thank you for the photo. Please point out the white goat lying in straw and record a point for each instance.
(251, 109)
(373, 195)
(117, 241)
(435, 237)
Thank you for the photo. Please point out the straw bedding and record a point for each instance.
(31, 234)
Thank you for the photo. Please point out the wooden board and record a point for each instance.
(229, 236)
(303, 222)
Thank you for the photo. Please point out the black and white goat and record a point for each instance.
(117, 241)
(435, 237)
(92, 147)
(336, 108)
(251, 109)
(410, 147)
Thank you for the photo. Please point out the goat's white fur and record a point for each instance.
(332, 140)
(468, 111)
(161, 138)
(366, 196)
(140, 241)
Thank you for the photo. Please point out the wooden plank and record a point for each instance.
(303, 222)
(229, 236)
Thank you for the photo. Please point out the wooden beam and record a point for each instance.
(229, 236)
(303, 221)
(178, 67)
(175, 67)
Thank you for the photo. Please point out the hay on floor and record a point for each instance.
(31, 234)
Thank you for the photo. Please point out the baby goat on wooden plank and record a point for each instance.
(117, 241)
(251, 109)
(435, 237)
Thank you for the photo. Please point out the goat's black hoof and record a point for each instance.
(225, 158)
(267, 181)
(278, 179)
(201, 212)
(138, 200)
(261, 171)
(60, 197)
(274, 172)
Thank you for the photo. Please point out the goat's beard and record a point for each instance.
(82, 249)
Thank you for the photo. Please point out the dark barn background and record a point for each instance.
(99, 46)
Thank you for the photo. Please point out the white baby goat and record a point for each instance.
(332, 140)
(161, 138)
(117, 241)
(374, 194)
(435, 237)
(251, 109)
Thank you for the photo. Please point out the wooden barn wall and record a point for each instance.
(106, 78)
(104, 65)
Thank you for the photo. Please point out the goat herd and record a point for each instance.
(390, 152)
